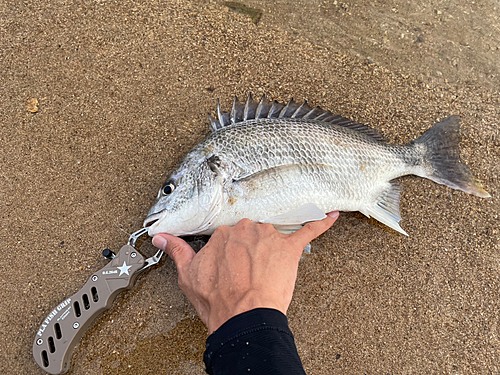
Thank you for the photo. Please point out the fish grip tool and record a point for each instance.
(62, 329)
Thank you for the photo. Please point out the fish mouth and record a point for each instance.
(152, 221)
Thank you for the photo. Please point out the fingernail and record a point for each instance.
(160, 242)
(333, 215)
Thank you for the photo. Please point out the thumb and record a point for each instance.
(175, 247)
(313, 229)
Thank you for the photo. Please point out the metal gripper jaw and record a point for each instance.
(65, 325)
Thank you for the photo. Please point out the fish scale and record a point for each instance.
(290, 141)
(289, 164)
(339, 160)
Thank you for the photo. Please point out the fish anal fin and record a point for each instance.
(386, 207)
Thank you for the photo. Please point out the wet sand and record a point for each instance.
(122, 91)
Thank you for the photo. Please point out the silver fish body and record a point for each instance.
(276, 167)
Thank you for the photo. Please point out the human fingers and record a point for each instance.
(176, 248)
(313, 229)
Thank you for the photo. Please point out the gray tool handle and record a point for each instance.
(66, 324)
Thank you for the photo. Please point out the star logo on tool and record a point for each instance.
(124, 269)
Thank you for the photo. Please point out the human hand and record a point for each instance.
(240, 268)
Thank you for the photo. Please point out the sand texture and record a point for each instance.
(100, 100)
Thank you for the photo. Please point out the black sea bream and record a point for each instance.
(289, 164)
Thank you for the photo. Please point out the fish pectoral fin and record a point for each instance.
(386, 207)
(305, 213)
(287, 229)
(292, 221)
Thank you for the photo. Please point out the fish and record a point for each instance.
(289, 164)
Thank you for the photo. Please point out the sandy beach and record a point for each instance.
(101, 99)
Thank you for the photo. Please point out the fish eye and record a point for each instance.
(167, 188)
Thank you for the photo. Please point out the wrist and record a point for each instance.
(222, 312)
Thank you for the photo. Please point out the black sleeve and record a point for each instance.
(255, 342)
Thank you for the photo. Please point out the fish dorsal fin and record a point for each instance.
(237, 111)
(386, 207)
(356, 126)
(301, 110)
(275, 109)
(214, 124)
(295, 218)
(250, 108)
(264, 109)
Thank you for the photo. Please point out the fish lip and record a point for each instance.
(152, 221)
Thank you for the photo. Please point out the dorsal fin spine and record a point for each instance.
(322, 116)
(233, 110)
(214, 124)
(285, 108)
(236, 111)
(301, 110)
(297, 111)
(310, 114)
(219, 114)
(247, 105)
(275, 109)
(264, 109)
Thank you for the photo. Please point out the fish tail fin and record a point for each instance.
(441, 157)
